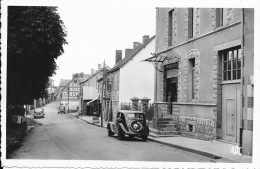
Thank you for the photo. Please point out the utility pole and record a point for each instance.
(68, 99)
(102, 92)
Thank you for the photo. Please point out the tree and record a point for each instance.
(36, 36)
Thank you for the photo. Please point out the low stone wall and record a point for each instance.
(194, 127)
(204, 129)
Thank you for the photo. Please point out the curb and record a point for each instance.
(86, 121)
(198, 152)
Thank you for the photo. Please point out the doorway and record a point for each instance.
(171, 89)
(231, 112)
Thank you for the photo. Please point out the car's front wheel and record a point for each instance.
(121, 133)
(144, 138)
(109, 132)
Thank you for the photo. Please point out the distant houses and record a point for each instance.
(90, 93)
(69, 91)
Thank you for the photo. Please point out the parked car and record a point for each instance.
(39, 113)
(61, 109)
(131, 123)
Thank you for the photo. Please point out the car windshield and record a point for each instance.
(135, 116)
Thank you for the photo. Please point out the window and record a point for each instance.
(109, 85)
(170, 27)
(219, 17)
(190, 22)
(231, 64)
(171, 80)
(190, 128)
(191, 79)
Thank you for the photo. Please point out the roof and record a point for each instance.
(83, 79)
(64, 82)
(130, 55)
(91, 76)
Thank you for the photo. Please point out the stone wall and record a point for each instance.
(204, 129)
(194, 127)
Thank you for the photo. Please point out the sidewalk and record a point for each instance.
(214, 149)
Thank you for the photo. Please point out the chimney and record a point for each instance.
(99, 66)
(92, 71)
(118, 55)
(81, 74)
(145, 38)
(135, 44)
(127, 51)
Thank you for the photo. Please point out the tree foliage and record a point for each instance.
(36, 36)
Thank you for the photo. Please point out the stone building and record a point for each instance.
(204, 60)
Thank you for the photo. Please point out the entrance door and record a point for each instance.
(231, 112)
(171, 89)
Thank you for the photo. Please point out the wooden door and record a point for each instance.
(231, 111)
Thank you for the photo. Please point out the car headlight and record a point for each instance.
(136, 126)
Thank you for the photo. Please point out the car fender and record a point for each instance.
(111, 125)
(123, 127)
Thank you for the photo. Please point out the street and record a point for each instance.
(63, 136)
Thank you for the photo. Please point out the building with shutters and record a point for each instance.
(204, 59)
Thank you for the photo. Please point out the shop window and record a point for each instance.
(231, 64)
(190, 22)
(219, 17)
(170, 23)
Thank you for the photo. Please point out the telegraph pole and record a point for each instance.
(68, 99)
(102, 93)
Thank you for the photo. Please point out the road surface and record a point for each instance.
(65, 137)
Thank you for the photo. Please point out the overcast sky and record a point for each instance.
(96, 29)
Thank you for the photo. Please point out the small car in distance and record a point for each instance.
(39, 113)
(61, 109)
(131, 123)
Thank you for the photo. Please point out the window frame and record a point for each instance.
(170, 27)
(225, 68)
(190, 23)
(192, 69)
(219, 17)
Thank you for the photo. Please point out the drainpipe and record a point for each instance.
(242, 78)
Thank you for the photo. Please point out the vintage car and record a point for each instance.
(61, 109)
(39, 113)
(131, 123)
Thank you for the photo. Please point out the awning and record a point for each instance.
(162, 56)
(92, 101)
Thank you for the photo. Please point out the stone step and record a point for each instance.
(169, 133)
(165, 122)
(165, 119)
(169, 127)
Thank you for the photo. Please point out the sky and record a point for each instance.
(95, 30)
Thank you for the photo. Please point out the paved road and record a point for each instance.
(65, 137)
